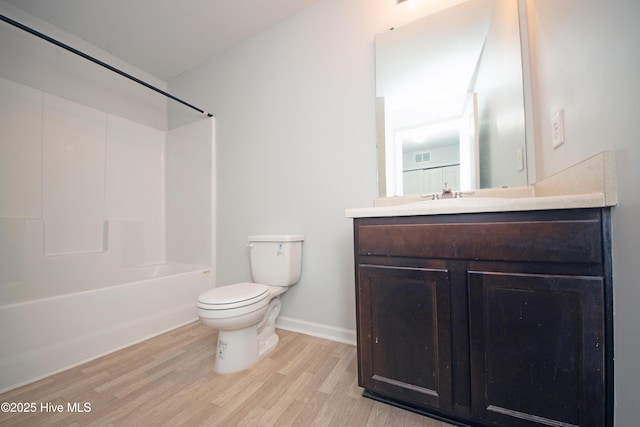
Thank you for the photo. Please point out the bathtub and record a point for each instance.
(43, 336)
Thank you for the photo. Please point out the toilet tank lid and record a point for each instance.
(276, 238)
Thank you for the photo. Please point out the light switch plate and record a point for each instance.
(557, 129)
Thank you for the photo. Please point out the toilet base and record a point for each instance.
(238, 349)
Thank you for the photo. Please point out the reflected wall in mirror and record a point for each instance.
(450, 101)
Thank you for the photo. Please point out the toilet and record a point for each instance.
(245, 313)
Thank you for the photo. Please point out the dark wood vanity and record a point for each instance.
(488, 319)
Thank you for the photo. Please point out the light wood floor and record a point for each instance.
(169, 381)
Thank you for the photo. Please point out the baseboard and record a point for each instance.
(346, 336)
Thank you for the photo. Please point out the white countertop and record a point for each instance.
(481, 204)
(589, 184)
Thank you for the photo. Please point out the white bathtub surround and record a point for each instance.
(91, 259)
(21, 159)
(73, 176)
(33, 276)
(85, 167)
(190, 198)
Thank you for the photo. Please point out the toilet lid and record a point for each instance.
(232, 296)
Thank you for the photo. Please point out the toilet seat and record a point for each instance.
(233, 296)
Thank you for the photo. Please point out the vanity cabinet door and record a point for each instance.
(405, 334)
(537, 349)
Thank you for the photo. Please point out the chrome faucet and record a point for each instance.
(446, 192)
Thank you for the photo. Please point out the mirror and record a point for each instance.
(450, 101)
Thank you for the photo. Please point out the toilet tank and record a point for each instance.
(276, 259)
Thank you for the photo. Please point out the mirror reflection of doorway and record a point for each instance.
(426, 73)
(430, 157)
(439, 155)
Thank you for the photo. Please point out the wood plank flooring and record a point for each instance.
(169, 381)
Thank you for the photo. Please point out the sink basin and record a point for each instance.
(474, 201)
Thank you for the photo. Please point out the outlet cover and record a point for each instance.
(557, 129)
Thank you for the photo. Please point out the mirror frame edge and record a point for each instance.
(527, 84)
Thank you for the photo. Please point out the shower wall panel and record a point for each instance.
(73, 170)
(20, 150)
(189, 191)
(134, 188)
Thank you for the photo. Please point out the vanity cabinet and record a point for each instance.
(488, 319)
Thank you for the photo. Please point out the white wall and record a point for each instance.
(585, 61)
(295, 115)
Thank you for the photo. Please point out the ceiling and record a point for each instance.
(163, 37)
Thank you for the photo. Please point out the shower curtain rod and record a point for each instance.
(97, 61)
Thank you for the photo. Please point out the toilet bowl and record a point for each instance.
(245, 313)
